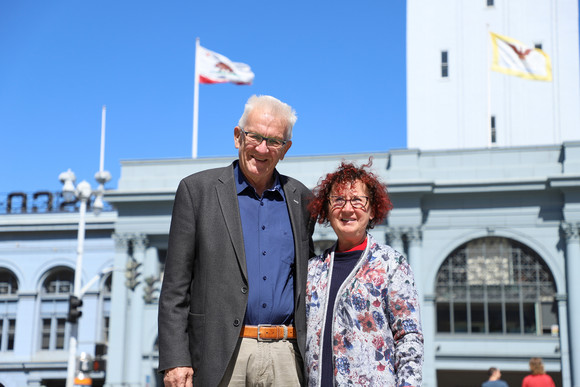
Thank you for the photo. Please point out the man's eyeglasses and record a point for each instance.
(358, 202)
(256, 139)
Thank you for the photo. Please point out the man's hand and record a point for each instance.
(178, 377)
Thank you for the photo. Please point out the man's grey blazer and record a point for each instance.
(205, 286)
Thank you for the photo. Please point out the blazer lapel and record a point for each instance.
(228, 201)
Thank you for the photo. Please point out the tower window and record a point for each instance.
(493, 134)
(444, 64)
(490, 3)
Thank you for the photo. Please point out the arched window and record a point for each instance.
(60, 281)
(8, 306)
(56, 288)
(495, 285)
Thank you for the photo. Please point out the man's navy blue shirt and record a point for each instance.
(269, 247)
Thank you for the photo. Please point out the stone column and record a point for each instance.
(415, 241)
(395, 237)
(118, 343)
(134, 353)
(151, 288)
(570, 232)
(564, 333)
(429, 324)
(26, 308)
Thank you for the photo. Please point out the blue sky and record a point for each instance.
(340, 64)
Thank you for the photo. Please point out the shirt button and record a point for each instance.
(264, 278)
(263, 227)
(244, 289)
(263, 252)
(236, 323)
(264, 305)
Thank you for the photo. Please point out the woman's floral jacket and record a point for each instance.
(376, 329)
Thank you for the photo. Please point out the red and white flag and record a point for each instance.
(216, 68)
(514, 58)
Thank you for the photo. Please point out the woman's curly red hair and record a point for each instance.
(346, 174)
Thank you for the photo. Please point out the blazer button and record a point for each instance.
(236, 322)
(244, 289)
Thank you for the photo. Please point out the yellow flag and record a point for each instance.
(512, 57)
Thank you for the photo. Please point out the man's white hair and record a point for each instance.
(271, 105)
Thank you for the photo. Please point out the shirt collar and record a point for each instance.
(242, 183)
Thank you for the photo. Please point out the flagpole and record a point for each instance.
(489, 128)
(195, 101)
(102, 159)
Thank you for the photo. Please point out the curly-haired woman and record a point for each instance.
(361, 302)
(538, 377)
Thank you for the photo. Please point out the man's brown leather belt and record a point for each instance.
(266, 332)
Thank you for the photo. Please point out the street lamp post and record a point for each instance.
(83, 193)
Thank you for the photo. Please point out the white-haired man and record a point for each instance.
(231, 310)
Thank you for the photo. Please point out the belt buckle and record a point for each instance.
(277, 338)
(265, 326)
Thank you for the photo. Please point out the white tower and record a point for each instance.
(448, 86)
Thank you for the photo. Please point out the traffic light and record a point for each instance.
(132, 273)
(74, 303)
(100, 362)
(149, 289)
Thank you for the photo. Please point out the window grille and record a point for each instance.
(495, 286)
(8, 308)
(54, 307)
(59, 282)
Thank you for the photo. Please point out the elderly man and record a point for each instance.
(231, 310)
